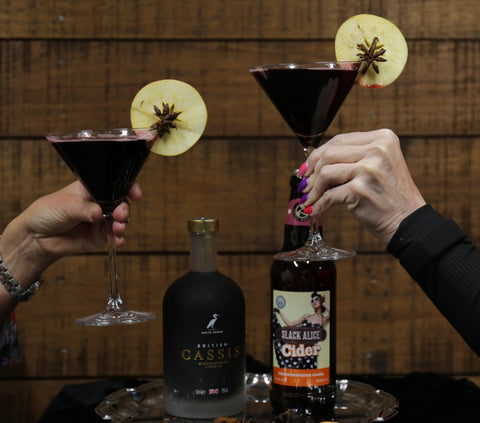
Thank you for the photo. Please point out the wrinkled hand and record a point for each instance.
(367, 172)
(64, 223)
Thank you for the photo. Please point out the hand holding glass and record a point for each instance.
(308, 96)
(107, 162)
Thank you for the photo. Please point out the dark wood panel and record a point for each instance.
(248, 19)
(67, 65)
(55, 85)
(385, 323)
(243, 182)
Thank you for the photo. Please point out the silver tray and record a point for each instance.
(356, 403)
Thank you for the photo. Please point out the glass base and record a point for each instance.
(116, 317)
(318, 252)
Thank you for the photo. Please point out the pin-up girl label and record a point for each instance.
(300, 338)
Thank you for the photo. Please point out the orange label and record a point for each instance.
(301, 378)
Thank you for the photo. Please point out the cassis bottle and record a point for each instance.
(204, 335)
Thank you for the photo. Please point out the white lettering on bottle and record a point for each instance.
(291, 350)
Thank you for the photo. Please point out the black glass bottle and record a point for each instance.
(204, 334)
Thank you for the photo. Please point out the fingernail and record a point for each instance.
(302, 185)
(308, 210)
(302, 170)
(304, 198)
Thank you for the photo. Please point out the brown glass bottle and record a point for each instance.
(293, 286)
(297, 223)
(303, 337)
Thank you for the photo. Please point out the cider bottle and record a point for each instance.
(303, 337)
(204, 335)
(303, 323)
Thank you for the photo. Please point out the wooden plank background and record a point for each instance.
(67, 64)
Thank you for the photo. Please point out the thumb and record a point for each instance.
(94, 213)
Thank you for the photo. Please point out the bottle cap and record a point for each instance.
(202, 225)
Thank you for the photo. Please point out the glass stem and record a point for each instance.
(115, 303)
(308, 150)
(315, 239)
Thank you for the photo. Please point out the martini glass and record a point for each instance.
(308, 96)
(107, 162)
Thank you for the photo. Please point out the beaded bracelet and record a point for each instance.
(13, 287)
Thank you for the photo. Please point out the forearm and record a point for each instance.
(20, 254)
(289, 322)
(66, 222)
(437, 254)
(285, 320)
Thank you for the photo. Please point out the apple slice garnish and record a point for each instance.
(378, 43)
(175, 109)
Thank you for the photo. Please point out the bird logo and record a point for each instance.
(211, 323)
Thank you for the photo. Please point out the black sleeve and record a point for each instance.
(439, 257)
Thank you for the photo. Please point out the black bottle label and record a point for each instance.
(204, 338)
(206, 357)
(212, 348)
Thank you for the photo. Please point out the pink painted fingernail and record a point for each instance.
(308, 210)
(302, 170)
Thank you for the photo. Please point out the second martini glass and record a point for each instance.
(308, 96)
(106, 163)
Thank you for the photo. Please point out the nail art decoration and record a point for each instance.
(308, 210)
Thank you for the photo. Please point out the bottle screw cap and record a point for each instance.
(203, 224)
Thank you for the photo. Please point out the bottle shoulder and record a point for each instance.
(303, 276)
(205, 284)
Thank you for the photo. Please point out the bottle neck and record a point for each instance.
(297, 222)
(203, 252)
(295, 215)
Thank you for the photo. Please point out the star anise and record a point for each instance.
(371, 54)
(167, 118)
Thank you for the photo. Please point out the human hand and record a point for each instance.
(64, 223)
(367, 172)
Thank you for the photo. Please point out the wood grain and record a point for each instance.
(248, 19)
(66, 64)
(245, 184)
(64, 84)
(385, 322)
